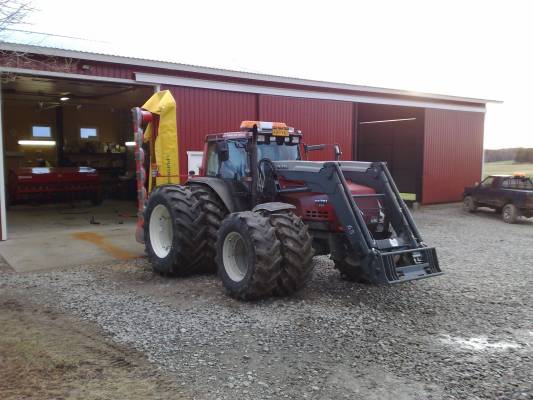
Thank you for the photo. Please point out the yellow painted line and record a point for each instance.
(102, 243)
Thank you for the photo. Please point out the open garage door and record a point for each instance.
(69, 168)
(394, 135)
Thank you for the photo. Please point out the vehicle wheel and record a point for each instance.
(510, 213)
(214, 212)
(296, 250)
(248, 256)
(469, 205)
(173, 231)
(349, 266)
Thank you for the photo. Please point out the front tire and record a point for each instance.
(469, 205)
(348, 263)
(296, 250)
(173, 231)
(248, 256)
(510, 213)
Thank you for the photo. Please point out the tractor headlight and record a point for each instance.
(260, 138)
(295, 139)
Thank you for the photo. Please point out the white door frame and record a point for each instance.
(3, 213)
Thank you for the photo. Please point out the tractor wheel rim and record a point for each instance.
(161, 231)
(234, 256)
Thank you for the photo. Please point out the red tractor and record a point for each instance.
(258, 214)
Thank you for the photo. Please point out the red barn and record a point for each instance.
(70, 108)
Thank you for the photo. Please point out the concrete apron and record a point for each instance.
(41, 245)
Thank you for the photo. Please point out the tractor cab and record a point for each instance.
(228, 155)
(243, 159)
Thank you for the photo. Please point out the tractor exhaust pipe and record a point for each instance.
(254, 166)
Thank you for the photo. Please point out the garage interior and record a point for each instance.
(70, 124)
(396, 135)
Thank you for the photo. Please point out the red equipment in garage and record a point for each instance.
(54, 184)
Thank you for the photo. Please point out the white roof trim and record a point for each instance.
(227, 73)
(238, 87)
(65, 75)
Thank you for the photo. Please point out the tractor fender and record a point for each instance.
(273, 206)
(219, 187)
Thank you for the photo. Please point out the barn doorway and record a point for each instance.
(69, 170)
(395, 135)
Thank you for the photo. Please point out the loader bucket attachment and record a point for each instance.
(395, 254)
(390, 267)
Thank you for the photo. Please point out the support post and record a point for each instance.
(3, 214)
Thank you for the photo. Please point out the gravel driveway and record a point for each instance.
(465, 335)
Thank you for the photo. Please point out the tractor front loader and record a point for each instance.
(258, 213)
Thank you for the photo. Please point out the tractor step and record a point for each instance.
(409, 265)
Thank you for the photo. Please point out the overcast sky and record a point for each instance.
(467, 48)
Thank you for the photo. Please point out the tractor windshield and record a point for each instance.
(278, 152)
(237, 163)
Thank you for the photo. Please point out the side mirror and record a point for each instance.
(337, 153)
(222, 151)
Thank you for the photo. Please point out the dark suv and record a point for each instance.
(510, 195)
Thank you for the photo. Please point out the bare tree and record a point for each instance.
(13, 12)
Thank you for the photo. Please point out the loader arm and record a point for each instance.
(400, 258)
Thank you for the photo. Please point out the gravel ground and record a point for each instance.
(465, 335)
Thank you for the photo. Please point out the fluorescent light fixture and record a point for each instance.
(64, 98)
(387, 120)
(130, 144)
(37, 142)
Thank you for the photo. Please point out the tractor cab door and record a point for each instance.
(231, 167)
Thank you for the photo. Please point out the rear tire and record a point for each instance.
(510, 213)
(248, 256)
(173, 231)
(213, 213)
(296, 250)
(469, 205)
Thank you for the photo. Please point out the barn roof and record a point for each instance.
(226, 73)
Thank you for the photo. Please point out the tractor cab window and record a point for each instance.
(277, 152)
(212, 160)
(236, 164)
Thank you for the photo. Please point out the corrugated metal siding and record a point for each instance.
(453, 153)
(321, 121)
(204, 111)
